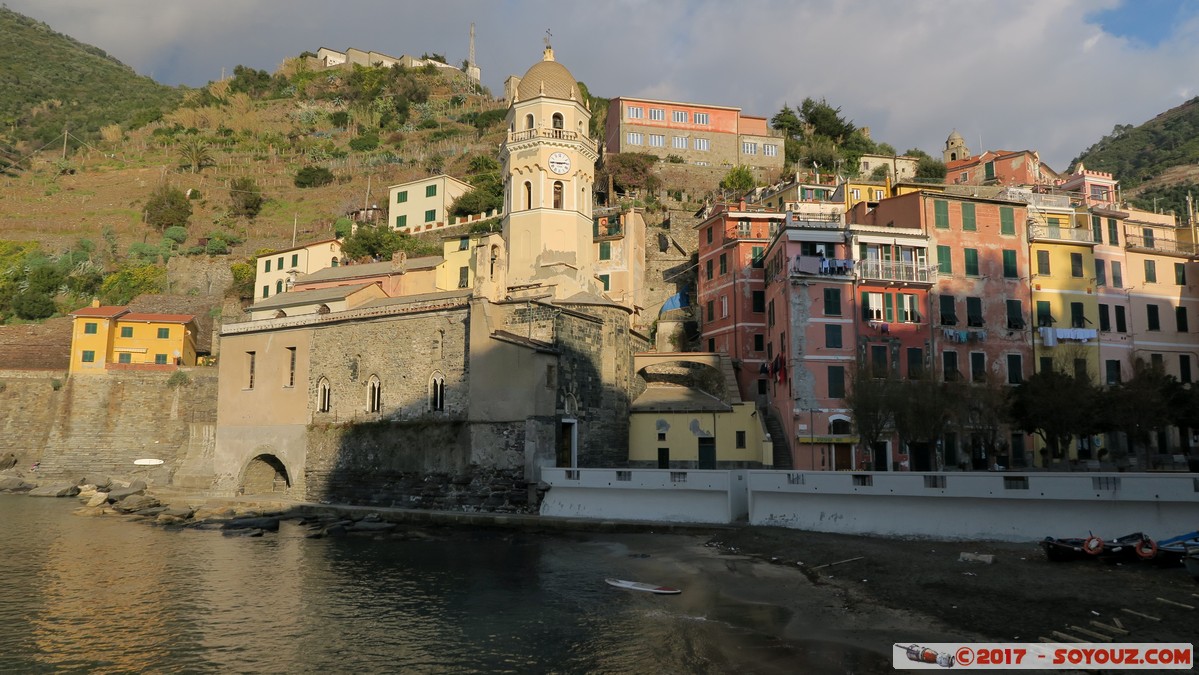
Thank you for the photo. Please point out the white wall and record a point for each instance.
(647, 494)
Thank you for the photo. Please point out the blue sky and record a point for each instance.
(1046, 75)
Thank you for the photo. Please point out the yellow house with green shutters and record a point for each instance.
(107, 338)
(675, 427)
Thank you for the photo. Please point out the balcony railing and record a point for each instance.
(885, 270)
(1163, 245)
(815, 265)
(555, 134)
(1073, 234)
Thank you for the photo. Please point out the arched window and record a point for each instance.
(374, 401)
(279, 286)
(557, 194)
(557, 120)
(528, 195)
(437, 392)
(335, 262)
(529, 121)
(324, 396)
(840, 427)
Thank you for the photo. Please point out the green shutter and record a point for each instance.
(1009, 264)
(972, 261)
(944, 261)
(1007, 220)
(968, 222)
(889, 307)
(941, 214)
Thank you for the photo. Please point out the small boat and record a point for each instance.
(1171, 551)
(638, 586)
(1129, 547)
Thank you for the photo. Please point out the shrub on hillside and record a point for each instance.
(167, 207)
(33, 305)
(243, 280)
(313, 176)
(131, 281)
(176, 234)
(364, 143)
(340, 119)
(245, 199)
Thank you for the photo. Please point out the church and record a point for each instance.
(450, 397)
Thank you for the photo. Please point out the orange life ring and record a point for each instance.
(1093, 545)
(1146, 549)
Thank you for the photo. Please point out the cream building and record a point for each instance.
(273, 272)
(422, 205)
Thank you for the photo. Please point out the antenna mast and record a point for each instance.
(470, 57)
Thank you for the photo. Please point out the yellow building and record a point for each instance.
(113, 338)
(461, 258)
(673, 427)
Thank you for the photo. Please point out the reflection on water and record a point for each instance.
(101, 594)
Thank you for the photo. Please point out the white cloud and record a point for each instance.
(1020, 74)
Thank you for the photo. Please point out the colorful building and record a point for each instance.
(113, 338)
(274, 272)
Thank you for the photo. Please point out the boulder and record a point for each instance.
(134, 503)
(183, 512)
(90, 511)
(167, 518)
(100, 482)
(8, 461)
(14, 484)
(98, 499)
(118, 494)
(59, 490)
(271, 524)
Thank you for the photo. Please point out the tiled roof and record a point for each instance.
(158, 318)
(293, 298)
(106, 312)
(367, 270)
(296, 248)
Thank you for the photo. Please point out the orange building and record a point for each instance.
(705, 135)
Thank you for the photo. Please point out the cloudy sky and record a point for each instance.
(1049, 75)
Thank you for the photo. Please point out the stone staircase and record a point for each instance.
(778, 437)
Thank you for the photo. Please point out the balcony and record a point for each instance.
(885, 270)
(554, 134)
(1074, 235)
(817, 266)
(1167, 246)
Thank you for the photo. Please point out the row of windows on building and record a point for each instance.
(162, 333)
(402, 195)
(295, 262)
(324, 390)
(89, 356)
(402, 220)
(676, 142)
(636, 112)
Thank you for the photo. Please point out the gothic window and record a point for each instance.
(437, 392)
(324, 396)
(528, 195)
(374, 401)
(529, 121)
(557, 194)
(557, 120)
(279, 286)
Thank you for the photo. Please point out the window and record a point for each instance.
(1184, 368)
(605, 250)
(279, 286)
(755, 259)
(657, 141)
(709, 236)
(324, 396)
(529, 121)
(1015, 315)
(401, 197)
(1117, 275)
(708, 269)
(89, 356)
(1157, 361)
(879, 365)
(978, 367)
(740, 439)
(374, 395)
(161, 359)
(989, 170)
(1044, 317)
(164, 333)
(1007, 220)
(635, 137)
(528, 195)
(1009, 264)
(770, 150)
(1076, 265)
(700, 118)
(1112, 368)
(1043, 262)
(968, 222)
(124, 357)
(1180, 318)
(1078, 317)
(944, 260)
(678, 116)
(1100, 273)
(949, 365)
(770, 313)
(1113, 232)
(832, 302)
(1015, 369)
(749, 148)
(1097, 229)
(941, 214)
(1151, 317)
(971, 262)
(266, 265)
(89, 328)
(1105, 320)
(558, 190)
(1150, 272)
(1121, 320)
(832, 335)
(836, 381)
(430, 215)
(1180, 274)
(949, 315)
(606, 282)
(724, 306)
(295, 259)
(401, 222)
(266, 291)
(759, 342)
(634, 112)
(758, 301)
(974, 312)
(915, 362)
(126, 331)
(437, 392)
(279, 263)
(291, 367)
(464, 276)
(711, 311)
(657, 114)
(430, 190)
(1147, 236)
(711, 344)
(872, 306)
(251, 357)
(724, 264)
(908, 312)
(678, 142)
(701, 144)
(1080, 370)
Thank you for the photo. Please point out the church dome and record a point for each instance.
(547, 78)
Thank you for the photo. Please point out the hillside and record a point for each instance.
(52, 82)
(1157, 163)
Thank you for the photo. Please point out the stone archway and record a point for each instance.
(265, 474)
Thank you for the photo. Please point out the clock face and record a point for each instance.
(559, 163)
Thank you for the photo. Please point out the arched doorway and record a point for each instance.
(265, 474)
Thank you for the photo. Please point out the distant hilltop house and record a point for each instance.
(329, 58)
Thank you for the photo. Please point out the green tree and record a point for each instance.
(380, 241)
(825, 120)
(167, 207)
(487, 188)
(33, 305)
(245, 199)
(929, 169)
(313, 176)
(130, 281)
(871, 402)
(738, 180)
(1053, 405)
(195, 153)
(787, 122)
(243, 280)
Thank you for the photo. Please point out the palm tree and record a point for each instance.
(195, 153)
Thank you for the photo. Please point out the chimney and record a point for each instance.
(399, 262)
(95, 302)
